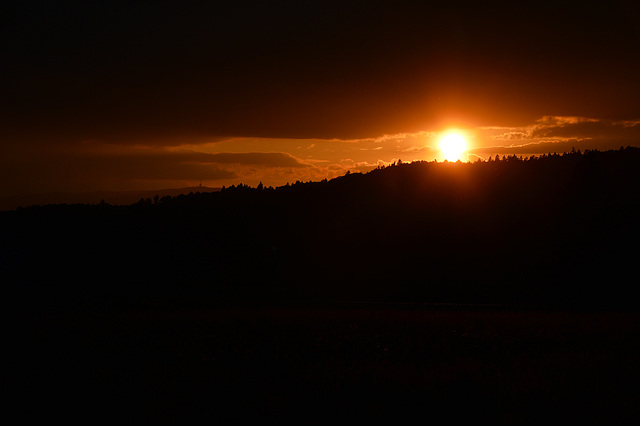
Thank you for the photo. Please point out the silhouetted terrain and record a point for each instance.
(255, 304)
(112, 197)
(559, 230)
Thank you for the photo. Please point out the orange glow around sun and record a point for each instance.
(453, 145)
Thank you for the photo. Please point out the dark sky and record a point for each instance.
(171, 73)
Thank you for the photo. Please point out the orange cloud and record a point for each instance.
(560, 134)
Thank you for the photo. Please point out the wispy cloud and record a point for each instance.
(265, 159)
(512, 135)
(92, 165)
(587, 128)
(559, 134)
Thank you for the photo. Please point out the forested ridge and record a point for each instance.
(552, 230)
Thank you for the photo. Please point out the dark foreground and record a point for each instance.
(556, 230)
(336, 362)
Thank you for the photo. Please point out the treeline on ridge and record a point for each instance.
(552, 230)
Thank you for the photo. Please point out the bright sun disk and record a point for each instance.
(453, 145)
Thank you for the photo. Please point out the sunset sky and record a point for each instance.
(149, 95)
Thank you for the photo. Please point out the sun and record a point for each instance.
(453, 145)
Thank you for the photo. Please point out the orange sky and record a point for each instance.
(92, 165)
(98, 96)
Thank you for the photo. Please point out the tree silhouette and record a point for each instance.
(559, 226)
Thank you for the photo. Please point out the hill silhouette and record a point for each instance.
(556, 230)
(111, 197)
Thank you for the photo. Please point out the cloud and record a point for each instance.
(132, 167)
(587, 128)
(265, 159)
(561, 120)
(561, 134)
(532, 148)
(513, 135)
(395, 137)
(170, 165)
(97, 168)
(419, 149)
(95, 165)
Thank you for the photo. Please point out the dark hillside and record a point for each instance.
(554, 230)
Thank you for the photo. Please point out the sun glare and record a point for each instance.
(453, 145)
